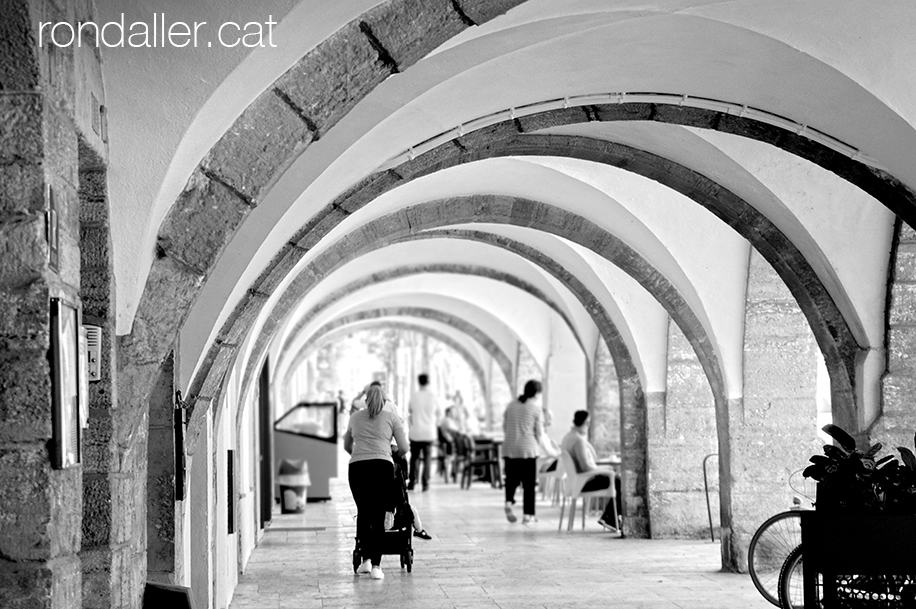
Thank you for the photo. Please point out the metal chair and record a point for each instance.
(479, 455)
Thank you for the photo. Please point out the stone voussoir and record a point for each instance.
(332, 78)
(202, 222)
(481, 11)
(260, 145)
(410, 29)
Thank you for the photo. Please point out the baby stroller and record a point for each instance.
(399, 539)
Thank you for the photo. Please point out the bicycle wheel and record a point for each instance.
(791, 581)
(770, 546)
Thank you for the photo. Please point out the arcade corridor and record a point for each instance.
(476, 559)
(693, 219)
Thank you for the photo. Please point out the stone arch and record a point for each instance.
(523, 212)
(220, 202)
(329, 332)
(836, 338)
(417, 269)
(511, 138)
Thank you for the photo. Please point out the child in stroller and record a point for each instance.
(401, 522)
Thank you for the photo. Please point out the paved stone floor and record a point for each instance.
(477, 559)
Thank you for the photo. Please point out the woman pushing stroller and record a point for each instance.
(368, 440)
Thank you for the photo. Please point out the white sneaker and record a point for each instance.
(365, 567)
(528, 519)
(376, 573)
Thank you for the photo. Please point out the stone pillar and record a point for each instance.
(160, 478)
(40, 515)
(100, 573)
(604, 403)
(526, 368)
(682, 431)
(897, 422)
(773, 430)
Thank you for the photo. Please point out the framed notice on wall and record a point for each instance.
(66, 389)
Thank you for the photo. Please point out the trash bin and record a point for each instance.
(294, 482)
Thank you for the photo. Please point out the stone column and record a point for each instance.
(604, 403)
(160, 480)
(682, 431)
(897, 422)
(100, 572)
(773, 430)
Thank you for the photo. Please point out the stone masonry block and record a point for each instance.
(217, 372)
(66, 487)
(94, 185)
(201, 223)
(318, 226)
(19, 64)
(552, 118)
(21, 188)
(901, 349)
(366, 190)
(907, 233)
(903, 304)
(96, 510)
(905, 266)
(162, 396)
(409, 29)
(260, 145)
(170, 290)
(25, 319)
(444, 155)
(332, 78)
(23, 250)
(61, 154)
(282, 264)
(20, 129)
(25, 514)
(242, 319)
(25, 397)
(481, 11)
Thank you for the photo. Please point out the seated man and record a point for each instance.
(583, 455)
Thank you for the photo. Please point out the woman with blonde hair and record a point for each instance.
(368, 440)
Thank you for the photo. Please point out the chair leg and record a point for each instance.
(616, 516)
(562, 509)
(586, 501)
(572, 514)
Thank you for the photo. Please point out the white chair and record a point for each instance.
(572, 484)
(549, 482)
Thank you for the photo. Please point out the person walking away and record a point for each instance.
(371, 471)
(423, 415)
(583, 454)
(522, 427)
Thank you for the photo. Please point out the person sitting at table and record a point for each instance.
(584, 458)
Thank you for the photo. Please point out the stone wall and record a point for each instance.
(40, 510)
(604, 403)
(773, 430)
(897, 422)
(682, 431)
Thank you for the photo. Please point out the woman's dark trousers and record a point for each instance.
(370, 483)
(524, 472)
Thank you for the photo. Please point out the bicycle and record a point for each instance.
(773, 543)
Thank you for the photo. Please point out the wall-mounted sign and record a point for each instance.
(67, 388)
